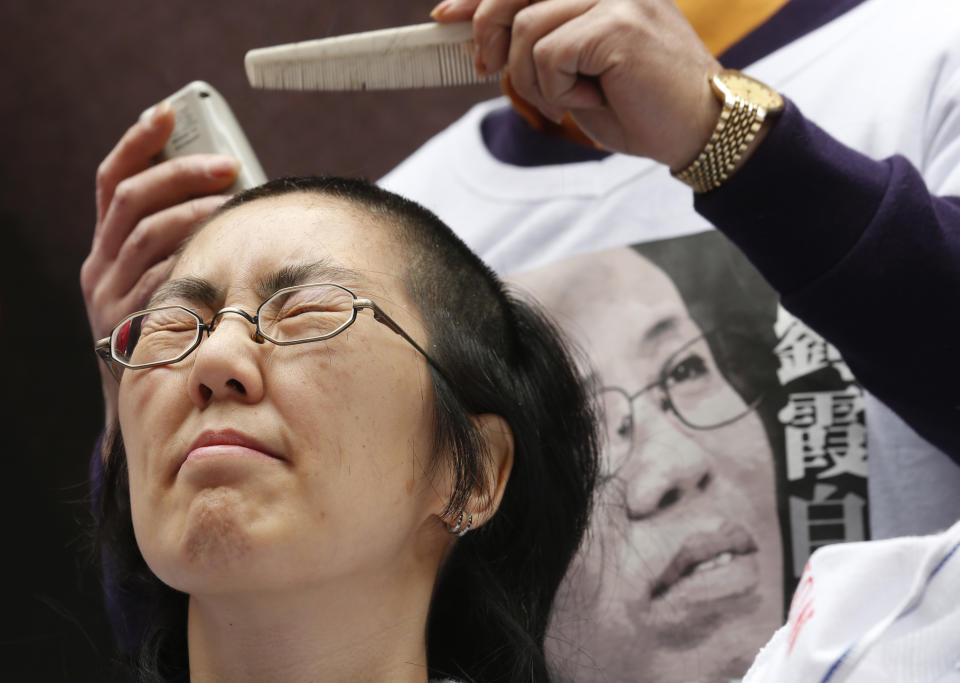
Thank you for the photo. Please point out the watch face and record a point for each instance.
(751, 90)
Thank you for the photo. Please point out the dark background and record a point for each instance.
(74, 76)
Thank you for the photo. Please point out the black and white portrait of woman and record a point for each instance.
(681, 577)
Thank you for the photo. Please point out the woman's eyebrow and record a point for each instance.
(205, 293)
(304, 273)
(664, 336)
(192, 289)
(660, 329)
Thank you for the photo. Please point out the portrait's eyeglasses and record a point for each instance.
(293, 315)
(689, 386)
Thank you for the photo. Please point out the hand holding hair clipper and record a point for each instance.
(205, 124)
(168, 172)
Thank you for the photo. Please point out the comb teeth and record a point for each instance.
(422, 67)
(422, 56)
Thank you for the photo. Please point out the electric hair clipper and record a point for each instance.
(205, 124)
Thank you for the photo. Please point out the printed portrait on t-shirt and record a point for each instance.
(712, 489)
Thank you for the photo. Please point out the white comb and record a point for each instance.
(417, 56)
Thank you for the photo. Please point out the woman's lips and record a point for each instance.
(710, 565)
(230, 442)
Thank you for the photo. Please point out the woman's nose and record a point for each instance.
(227, 364)
(667, 467)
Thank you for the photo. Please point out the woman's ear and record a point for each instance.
(498, 439)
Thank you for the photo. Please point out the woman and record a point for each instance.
(306, 494)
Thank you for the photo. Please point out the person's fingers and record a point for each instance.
(134, 300)
(145, 286)
(531, 26)
(133, 153)
(450, 11)
(567, 65)
(160, 187)
(155, 238)
(492, 23)
(90, 276)
(111, 306)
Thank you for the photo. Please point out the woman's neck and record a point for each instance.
(310, 635)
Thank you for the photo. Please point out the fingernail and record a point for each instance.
(437, 12)
(159, 111)
(223, 167)
(451, 6)
(153, 115)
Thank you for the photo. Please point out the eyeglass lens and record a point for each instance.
(310, 312)
(157, 335)
(699, 394)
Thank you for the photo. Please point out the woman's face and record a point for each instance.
(680, 577)
(256, 466)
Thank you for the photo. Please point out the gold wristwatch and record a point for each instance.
(747, 103)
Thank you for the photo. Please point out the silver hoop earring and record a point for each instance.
(456, 529)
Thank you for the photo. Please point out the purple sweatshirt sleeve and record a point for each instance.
(862, 252)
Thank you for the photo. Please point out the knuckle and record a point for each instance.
(482, 15)
(87, 278)
(141, 238)
(484, 31)
(179, 166)
(123, 196)
(542, 52)
(523, 25)
(104, 174)
(624, 17)
(198, 209)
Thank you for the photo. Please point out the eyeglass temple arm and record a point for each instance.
(102, 349)
(385, 319)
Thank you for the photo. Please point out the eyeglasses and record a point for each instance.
(689, 386)
(292, 315)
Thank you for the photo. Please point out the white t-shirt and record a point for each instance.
(883, 78)
(875, 612)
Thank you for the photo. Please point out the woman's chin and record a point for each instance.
(215, 547)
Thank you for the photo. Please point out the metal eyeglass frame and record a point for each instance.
(667, 403)
(104, 347)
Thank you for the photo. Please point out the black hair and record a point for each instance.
(499, 355)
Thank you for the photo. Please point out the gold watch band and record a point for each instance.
(736, 129)
(747, 103)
